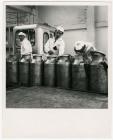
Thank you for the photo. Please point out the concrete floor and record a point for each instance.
(46, 97)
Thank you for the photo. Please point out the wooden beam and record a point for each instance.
(90, 23)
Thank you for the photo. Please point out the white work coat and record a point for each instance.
(26, 47)
(51, 43)
(87, 54)
(89, 46)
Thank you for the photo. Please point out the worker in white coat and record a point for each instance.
(85, 49)
(26, 47)
(55, 44)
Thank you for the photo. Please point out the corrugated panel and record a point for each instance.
(15, 17)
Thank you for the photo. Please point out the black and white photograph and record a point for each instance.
(56, 56)
(56, 69)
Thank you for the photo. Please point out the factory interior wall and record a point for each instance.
(101, 33)
(70, 37)
(69, 16)
(102, 40)
(101, 13)
(62, 15)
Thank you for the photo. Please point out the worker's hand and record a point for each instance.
(55, 48)
(44, 57)
(50, 52)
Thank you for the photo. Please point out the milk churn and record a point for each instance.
(50, 71)
(98, 73)
(63, 70)
(36, 70)
(24, 71)
(11, 71)
(79, 77)
(7, 77)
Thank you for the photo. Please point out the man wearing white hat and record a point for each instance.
(84, 48)
(55, 45)
(26, 48)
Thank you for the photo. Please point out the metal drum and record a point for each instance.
(36, 70)
(50, 71)
(79, 77)
(11, 71)
(63, 72)
(24, 72)
(98, 74)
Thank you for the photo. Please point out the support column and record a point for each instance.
(91, 24)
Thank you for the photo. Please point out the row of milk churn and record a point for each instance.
(65, 72)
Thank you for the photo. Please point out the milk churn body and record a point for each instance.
(98, 79)
(24, 72)
(63, 72)
(79, 77)
(36, 71)
(98, 75)
(12, 71)
(50, 71)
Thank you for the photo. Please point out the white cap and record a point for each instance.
(79, 45)
(60, 28)
(21, 33)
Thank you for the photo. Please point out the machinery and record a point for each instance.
(37, 34)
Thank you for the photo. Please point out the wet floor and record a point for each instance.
(46, 97)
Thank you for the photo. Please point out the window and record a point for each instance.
(46, 36)
(45, 39)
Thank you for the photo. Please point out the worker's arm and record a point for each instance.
(26, 47)
(61, 48)
(87, 55)
(46, 47)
